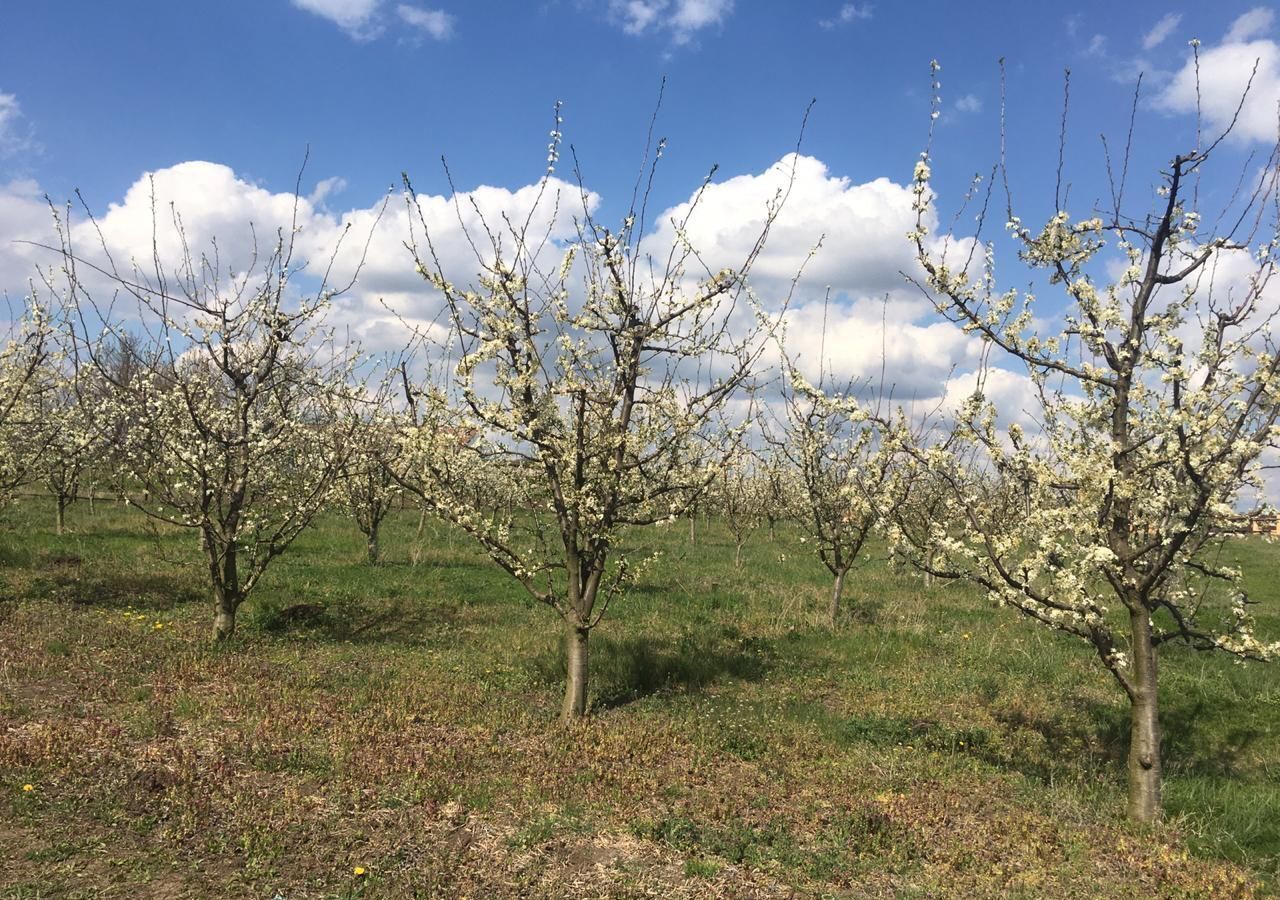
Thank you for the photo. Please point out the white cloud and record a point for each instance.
(1251, 24)
(1161, 30)
(864, 250)
(356, 17)
(364, 20)
(219, 208)
(212, 202)
(326, 188)
(15, 134)
(1225, 70)
(10, 113)
(635, 15)
(1097, 45)
(969, 103)
(864, 255)
(1013, 394)
(862, 260)
(681, 19)
(860, 340)
(691, 15)
(24, 216)
(435, 23)
(387, 278)
(850, 12)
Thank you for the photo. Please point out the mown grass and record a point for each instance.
(405, 722)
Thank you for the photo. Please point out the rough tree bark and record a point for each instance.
(575, 691)
(226, 592)
(1144, 733)
(837, 590)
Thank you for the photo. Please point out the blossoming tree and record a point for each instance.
(368, 487)
(1156, 399)
(60, 425)
(742, 495)
(582, 387)
(27, 351)
(846, 468)
(783, 489)
(226, 419)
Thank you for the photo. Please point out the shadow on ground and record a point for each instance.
(64, 577)
(407, 621)
(627, 669)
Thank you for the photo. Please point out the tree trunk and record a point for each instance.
(693, 524)
(575, 689)
(415, 554)
(226, 593)
(1144, 732)
(737, 555)
(62, 513)
(836, 591)
(372, 549)
(224, 616)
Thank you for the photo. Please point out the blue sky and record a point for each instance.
(108, 91)
(222, 100)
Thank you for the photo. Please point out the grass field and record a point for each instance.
(406, 743)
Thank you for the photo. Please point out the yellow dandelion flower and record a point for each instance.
(28, 788)
(359, 871)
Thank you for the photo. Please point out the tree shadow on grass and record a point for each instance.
(1198, 737)
(405, 621)
(14, 556)
(63, 577)
(627, 669)
(861, 611)
(430, 562)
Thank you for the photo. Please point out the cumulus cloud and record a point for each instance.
(1161, 30)
(10, 113)
(850, 12)
(1251, 24)
(356, 17)
(969, 103)
(198, 203)
(389, 288)
(872, 311)
(864, 225)
(326, 188)
(1013, 394)
(866, 341)
(1224, 72)
(26, 218)
(680, 19)
(365, 20)
(208, 208)
(15, 133)
(435, 23)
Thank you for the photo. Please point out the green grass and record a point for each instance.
(931, 745)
